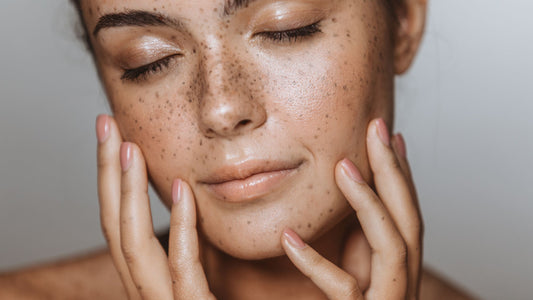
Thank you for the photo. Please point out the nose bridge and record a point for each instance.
(228, 107)
(225, 72)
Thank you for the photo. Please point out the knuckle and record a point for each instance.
(129, 255)
(400, 255)
(316, 260)
(351, 289)
(104, 160)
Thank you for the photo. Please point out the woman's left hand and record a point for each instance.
(390, 220)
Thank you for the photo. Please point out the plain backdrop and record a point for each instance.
(465, 109)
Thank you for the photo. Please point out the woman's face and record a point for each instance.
(253, 105)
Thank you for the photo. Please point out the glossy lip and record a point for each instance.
(249, 180)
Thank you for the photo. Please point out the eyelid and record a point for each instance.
(282, 18)
(150, 49)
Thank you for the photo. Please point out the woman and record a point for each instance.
(261, 124)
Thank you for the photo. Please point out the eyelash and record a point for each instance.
(293, 35)
(142, 73)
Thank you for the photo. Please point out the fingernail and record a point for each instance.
(383, 132)
(400, 145)
(125, 156)
(352, 171)
(293, 238)
(102, 128)
(176, 191)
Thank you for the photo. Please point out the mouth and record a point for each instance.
(249, 180)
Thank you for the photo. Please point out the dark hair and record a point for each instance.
(83, 31)
(390, 4)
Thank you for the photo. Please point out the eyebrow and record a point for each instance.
(231, 6)
(145, 18)
(136, 18)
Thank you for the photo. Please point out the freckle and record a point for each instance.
(249, 222)
(382, 218)
(308, 225)
(157, 94)
(140, 128)
(220, 243)
(299, 226)
(310, 186)
(328, 192)
(229, 229)
(331, 210)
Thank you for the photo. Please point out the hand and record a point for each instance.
(127, 225)
(390, 220)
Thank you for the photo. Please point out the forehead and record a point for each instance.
(223, 7)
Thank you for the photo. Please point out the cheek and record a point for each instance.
(161, 122)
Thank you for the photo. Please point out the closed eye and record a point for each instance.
(142, 73)
(292, 35)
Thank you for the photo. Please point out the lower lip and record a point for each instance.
(250, 188)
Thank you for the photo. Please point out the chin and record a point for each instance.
(257, 236)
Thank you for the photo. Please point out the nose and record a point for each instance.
(228, 107)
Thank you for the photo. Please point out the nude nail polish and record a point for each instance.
(125, 156)
(293, 238)
(352, 171)
(102, 128)
(176, 191)
(383, 132)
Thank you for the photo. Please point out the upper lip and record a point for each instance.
(248, 168)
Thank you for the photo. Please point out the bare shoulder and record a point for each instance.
(435, 287)
(93, 276)
(90, 276)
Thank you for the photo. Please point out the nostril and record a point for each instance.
(243, 123)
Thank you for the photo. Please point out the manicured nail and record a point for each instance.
(383, 132)
(352, 171)
(125, 156)
(176, 191)
(400, 145)
(102, 128)
(294, 239)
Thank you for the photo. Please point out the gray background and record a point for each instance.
(465, 109)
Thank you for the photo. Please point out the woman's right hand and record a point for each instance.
(145, 269)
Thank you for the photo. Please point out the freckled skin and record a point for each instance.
(233, 95)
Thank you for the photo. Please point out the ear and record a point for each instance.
(409, 31)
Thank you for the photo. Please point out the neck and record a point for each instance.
(274, 278)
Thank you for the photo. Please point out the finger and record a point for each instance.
(188, 276)
(415, 265)
(396, 192)
(146, 259)
(398, 145)
(333, 281)
(109, 176)
(389, 270)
